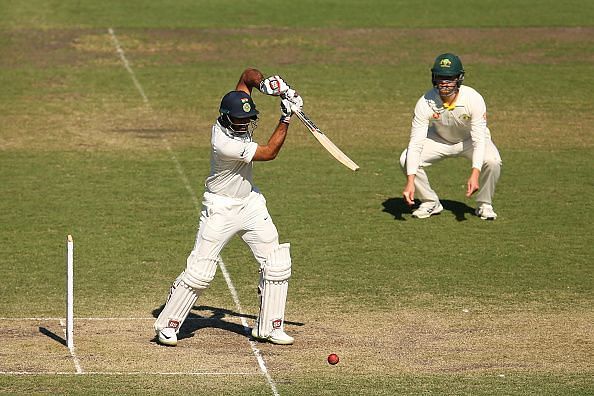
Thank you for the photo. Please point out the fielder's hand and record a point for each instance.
(409, 190)
(273, 85)
(472, 185)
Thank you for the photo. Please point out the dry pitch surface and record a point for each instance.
(388, 342)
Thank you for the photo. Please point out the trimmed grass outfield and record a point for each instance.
(449, 305)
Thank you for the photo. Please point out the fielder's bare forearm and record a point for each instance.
(271, 150)
(250, 78)
(409, 190)
(472, 185)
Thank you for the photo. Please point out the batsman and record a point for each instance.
(233, 205)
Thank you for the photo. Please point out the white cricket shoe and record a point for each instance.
(277, 336)
(427, 209)
(486, 212)
(167, 336)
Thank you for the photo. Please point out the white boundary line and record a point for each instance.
(197, 205)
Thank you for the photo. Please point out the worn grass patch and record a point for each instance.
(281, 46)
(86, 100)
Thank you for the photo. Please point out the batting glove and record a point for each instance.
(273, 85)
(294, 98)
(286, 111)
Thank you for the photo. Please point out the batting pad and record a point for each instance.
(273, 287)
(181, 299)
(185, 290)
(199, 271)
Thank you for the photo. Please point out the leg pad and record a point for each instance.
(273, 287)
(185, 291)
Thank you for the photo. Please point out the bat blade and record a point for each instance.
(325, 141)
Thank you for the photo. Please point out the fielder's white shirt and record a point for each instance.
(468, 120)
(230, 163)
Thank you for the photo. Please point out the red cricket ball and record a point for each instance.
(333, 358)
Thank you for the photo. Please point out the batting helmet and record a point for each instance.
(238, 104)
(448, 65)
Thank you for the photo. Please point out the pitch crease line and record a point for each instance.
(77, 365)
(197, 205)
(120, 52)
(180, 373)
(92, 319)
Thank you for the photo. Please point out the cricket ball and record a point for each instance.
(333, 358)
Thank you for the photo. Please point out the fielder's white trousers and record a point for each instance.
(435, 151)
(221, 218)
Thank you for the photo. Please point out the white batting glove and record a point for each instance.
(273, 85)
(294, 98)
(286, 110)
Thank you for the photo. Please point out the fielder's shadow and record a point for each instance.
(52, 335)
(215, 320)
(397, 207)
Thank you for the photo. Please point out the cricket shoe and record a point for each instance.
(486, 212)
(277, 336)
(167, 336)
(427, 209)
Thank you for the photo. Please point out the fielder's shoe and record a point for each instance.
(486, 212)
(167, 336)
(428, 209)
(277, 336)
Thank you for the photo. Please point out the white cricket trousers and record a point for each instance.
(222, 217)
(435, 151)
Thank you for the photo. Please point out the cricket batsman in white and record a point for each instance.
(232, 205)
(450, 120)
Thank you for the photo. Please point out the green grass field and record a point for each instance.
(449, 305)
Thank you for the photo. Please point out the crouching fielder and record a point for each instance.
(450, 120)
(233, 205)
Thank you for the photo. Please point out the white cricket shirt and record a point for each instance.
(468, 120)
(230, 163)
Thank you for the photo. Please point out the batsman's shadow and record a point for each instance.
(397, 207)
(216, 319)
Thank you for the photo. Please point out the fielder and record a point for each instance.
(233, 205)
(450, 120)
